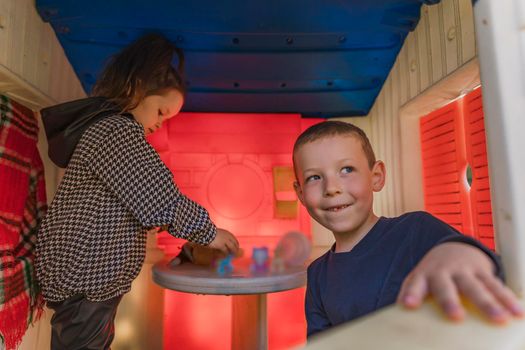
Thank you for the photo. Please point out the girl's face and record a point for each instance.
(153, 110)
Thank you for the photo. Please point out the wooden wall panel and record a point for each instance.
(33, 67)
(442, 42)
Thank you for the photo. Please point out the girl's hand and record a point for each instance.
(453, 269)
(225, 241)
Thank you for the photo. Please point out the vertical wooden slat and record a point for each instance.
(413, 65)
(442, 37)
(425, 57)
(5, 19)
(16, 29)
(422, 53)
(436, 49)
(393, 114)
(404, 76)
(29, 44)
(382, 197)
(466, 18)
(44, 58)
(373, 136)
(389, 155)
(450, 33)
(459, 36)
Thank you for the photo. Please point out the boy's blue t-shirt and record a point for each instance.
(344, 286)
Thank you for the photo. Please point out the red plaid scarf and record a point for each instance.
(22, 205)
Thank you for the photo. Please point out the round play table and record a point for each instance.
(247, 287)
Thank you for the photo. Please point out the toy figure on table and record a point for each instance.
(204, 256)
(293, 249)
(224, 265)
(260, 259)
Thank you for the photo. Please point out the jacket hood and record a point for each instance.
(65, 123)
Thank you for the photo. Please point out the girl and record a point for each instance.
(91, 244)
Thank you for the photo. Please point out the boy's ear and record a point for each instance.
(378, 176)
(298, 191)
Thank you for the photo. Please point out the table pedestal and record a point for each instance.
(249, 322)
(248, 290)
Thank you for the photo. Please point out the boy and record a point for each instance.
(336, 174)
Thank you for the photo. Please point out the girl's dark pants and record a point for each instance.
(82, 324)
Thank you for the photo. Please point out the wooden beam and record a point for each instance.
(21, 90)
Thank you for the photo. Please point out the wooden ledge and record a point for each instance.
(395, 328)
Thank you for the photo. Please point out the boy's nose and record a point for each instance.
(332, 187)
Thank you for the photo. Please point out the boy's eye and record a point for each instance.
(312, 177)
(347, 169)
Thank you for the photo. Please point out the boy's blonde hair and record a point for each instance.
(332, 128)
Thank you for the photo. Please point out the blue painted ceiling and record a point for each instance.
(320, 58)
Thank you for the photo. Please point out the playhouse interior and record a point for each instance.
(258, 74)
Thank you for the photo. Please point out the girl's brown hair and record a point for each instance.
(141, 69)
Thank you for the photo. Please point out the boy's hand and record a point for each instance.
(451, 269)
(225, 241)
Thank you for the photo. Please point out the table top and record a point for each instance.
(243, 279)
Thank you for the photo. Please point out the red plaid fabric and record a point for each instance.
(22, 206)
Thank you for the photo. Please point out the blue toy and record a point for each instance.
(224, 265)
